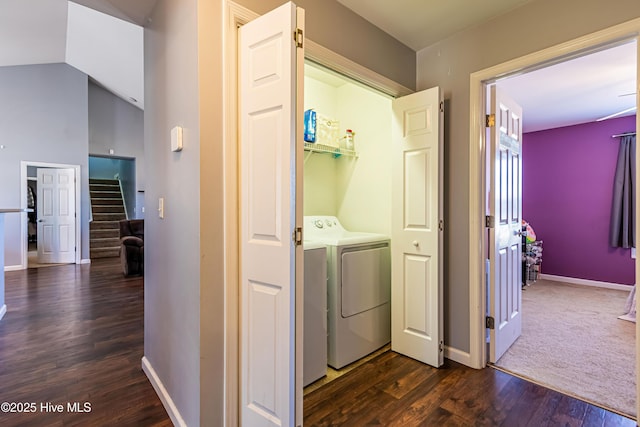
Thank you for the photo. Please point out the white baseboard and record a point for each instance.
(458, 356)
(14, 267)
(586, 282)
(85, 261)
(166, 400)
(3, 310)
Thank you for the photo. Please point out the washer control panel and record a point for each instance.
(322, 226)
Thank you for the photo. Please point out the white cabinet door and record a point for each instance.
(505, 238)
(270, 209)
(416, 239)
(56, 211)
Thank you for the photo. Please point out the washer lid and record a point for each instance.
(328, 230)
(352, 238)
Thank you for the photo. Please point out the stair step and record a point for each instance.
(98, 209)
(103, 187)
(104, 225)
(108, 216)
(106, 195)
(96, 201)
(111, 242)
(103, 181)
(107, 233)
(104, 252)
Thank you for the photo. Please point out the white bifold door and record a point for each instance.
(416, 239)
(270, 66)
(505, 234)
(56, 215)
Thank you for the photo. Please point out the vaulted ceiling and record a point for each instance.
(104, 39)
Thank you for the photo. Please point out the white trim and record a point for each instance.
(14, 267)
(85, 261)
(165, 398)
(3, 310)
(478, 81)
(586, 282)
(349, 68)
(457, 355)
(23, 204)
(236, 16)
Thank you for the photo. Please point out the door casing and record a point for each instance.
(477, 148)
(23, 203)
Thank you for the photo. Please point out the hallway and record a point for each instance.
(73, 334)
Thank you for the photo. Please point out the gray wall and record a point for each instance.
(116, 125)
(336, 27)
(172, 250)
(448, 64)
(43, 118)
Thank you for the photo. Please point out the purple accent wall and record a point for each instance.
(567, 182)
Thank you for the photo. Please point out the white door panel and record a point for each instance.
(416, 325)
(505, 240)
(56, 224)
(269, 205)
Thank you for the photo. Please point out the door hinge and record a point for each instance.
(298, 37)
(490, 221)
(490, 120)
(441, 225)
(441, 346)
(442, 106)
(489, 322)
(296, 236)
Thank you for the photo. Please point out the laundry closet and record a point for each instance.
(347, 209)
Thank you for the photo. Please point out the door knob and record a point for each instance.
(517, 233)
(416, 243)
(41, 220)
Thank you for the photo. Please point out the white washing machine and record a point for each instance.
(358, 288)
(315, 312)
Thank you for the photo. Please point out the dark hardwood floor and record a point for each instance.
(74, 334)
(393, 390)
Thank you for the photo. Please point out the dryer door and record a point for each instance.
(366, 278)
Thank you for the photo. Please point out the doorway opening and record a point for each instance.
(29, 229)
(614, 38)
(571, 302)
(351, 184)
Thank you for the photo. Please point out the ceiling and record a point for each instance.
(420, 23)
(577, 91)
(104, 39)
(108, 49)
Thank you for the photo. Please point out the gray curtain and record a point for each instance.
(623, 212)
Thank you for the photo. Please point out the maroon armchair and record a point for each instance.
(132, 246)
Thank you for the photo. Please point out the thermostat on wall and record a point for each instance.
(176, 138)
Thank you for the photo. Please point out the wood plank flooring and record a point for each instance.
(393, 390)
(74, 333)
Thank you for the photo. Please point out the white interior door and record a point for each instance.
(270, 128)
(416, 239)
(505, 237)
(56, 213)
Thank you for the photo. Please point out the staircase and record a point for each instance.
(107, 209)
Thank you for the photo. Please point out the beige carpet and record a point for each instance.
(573, 342)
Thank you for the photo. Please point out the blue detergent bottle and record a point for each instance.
(310, 126)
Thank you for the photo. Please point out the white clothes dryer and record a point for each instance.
(358, 288)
